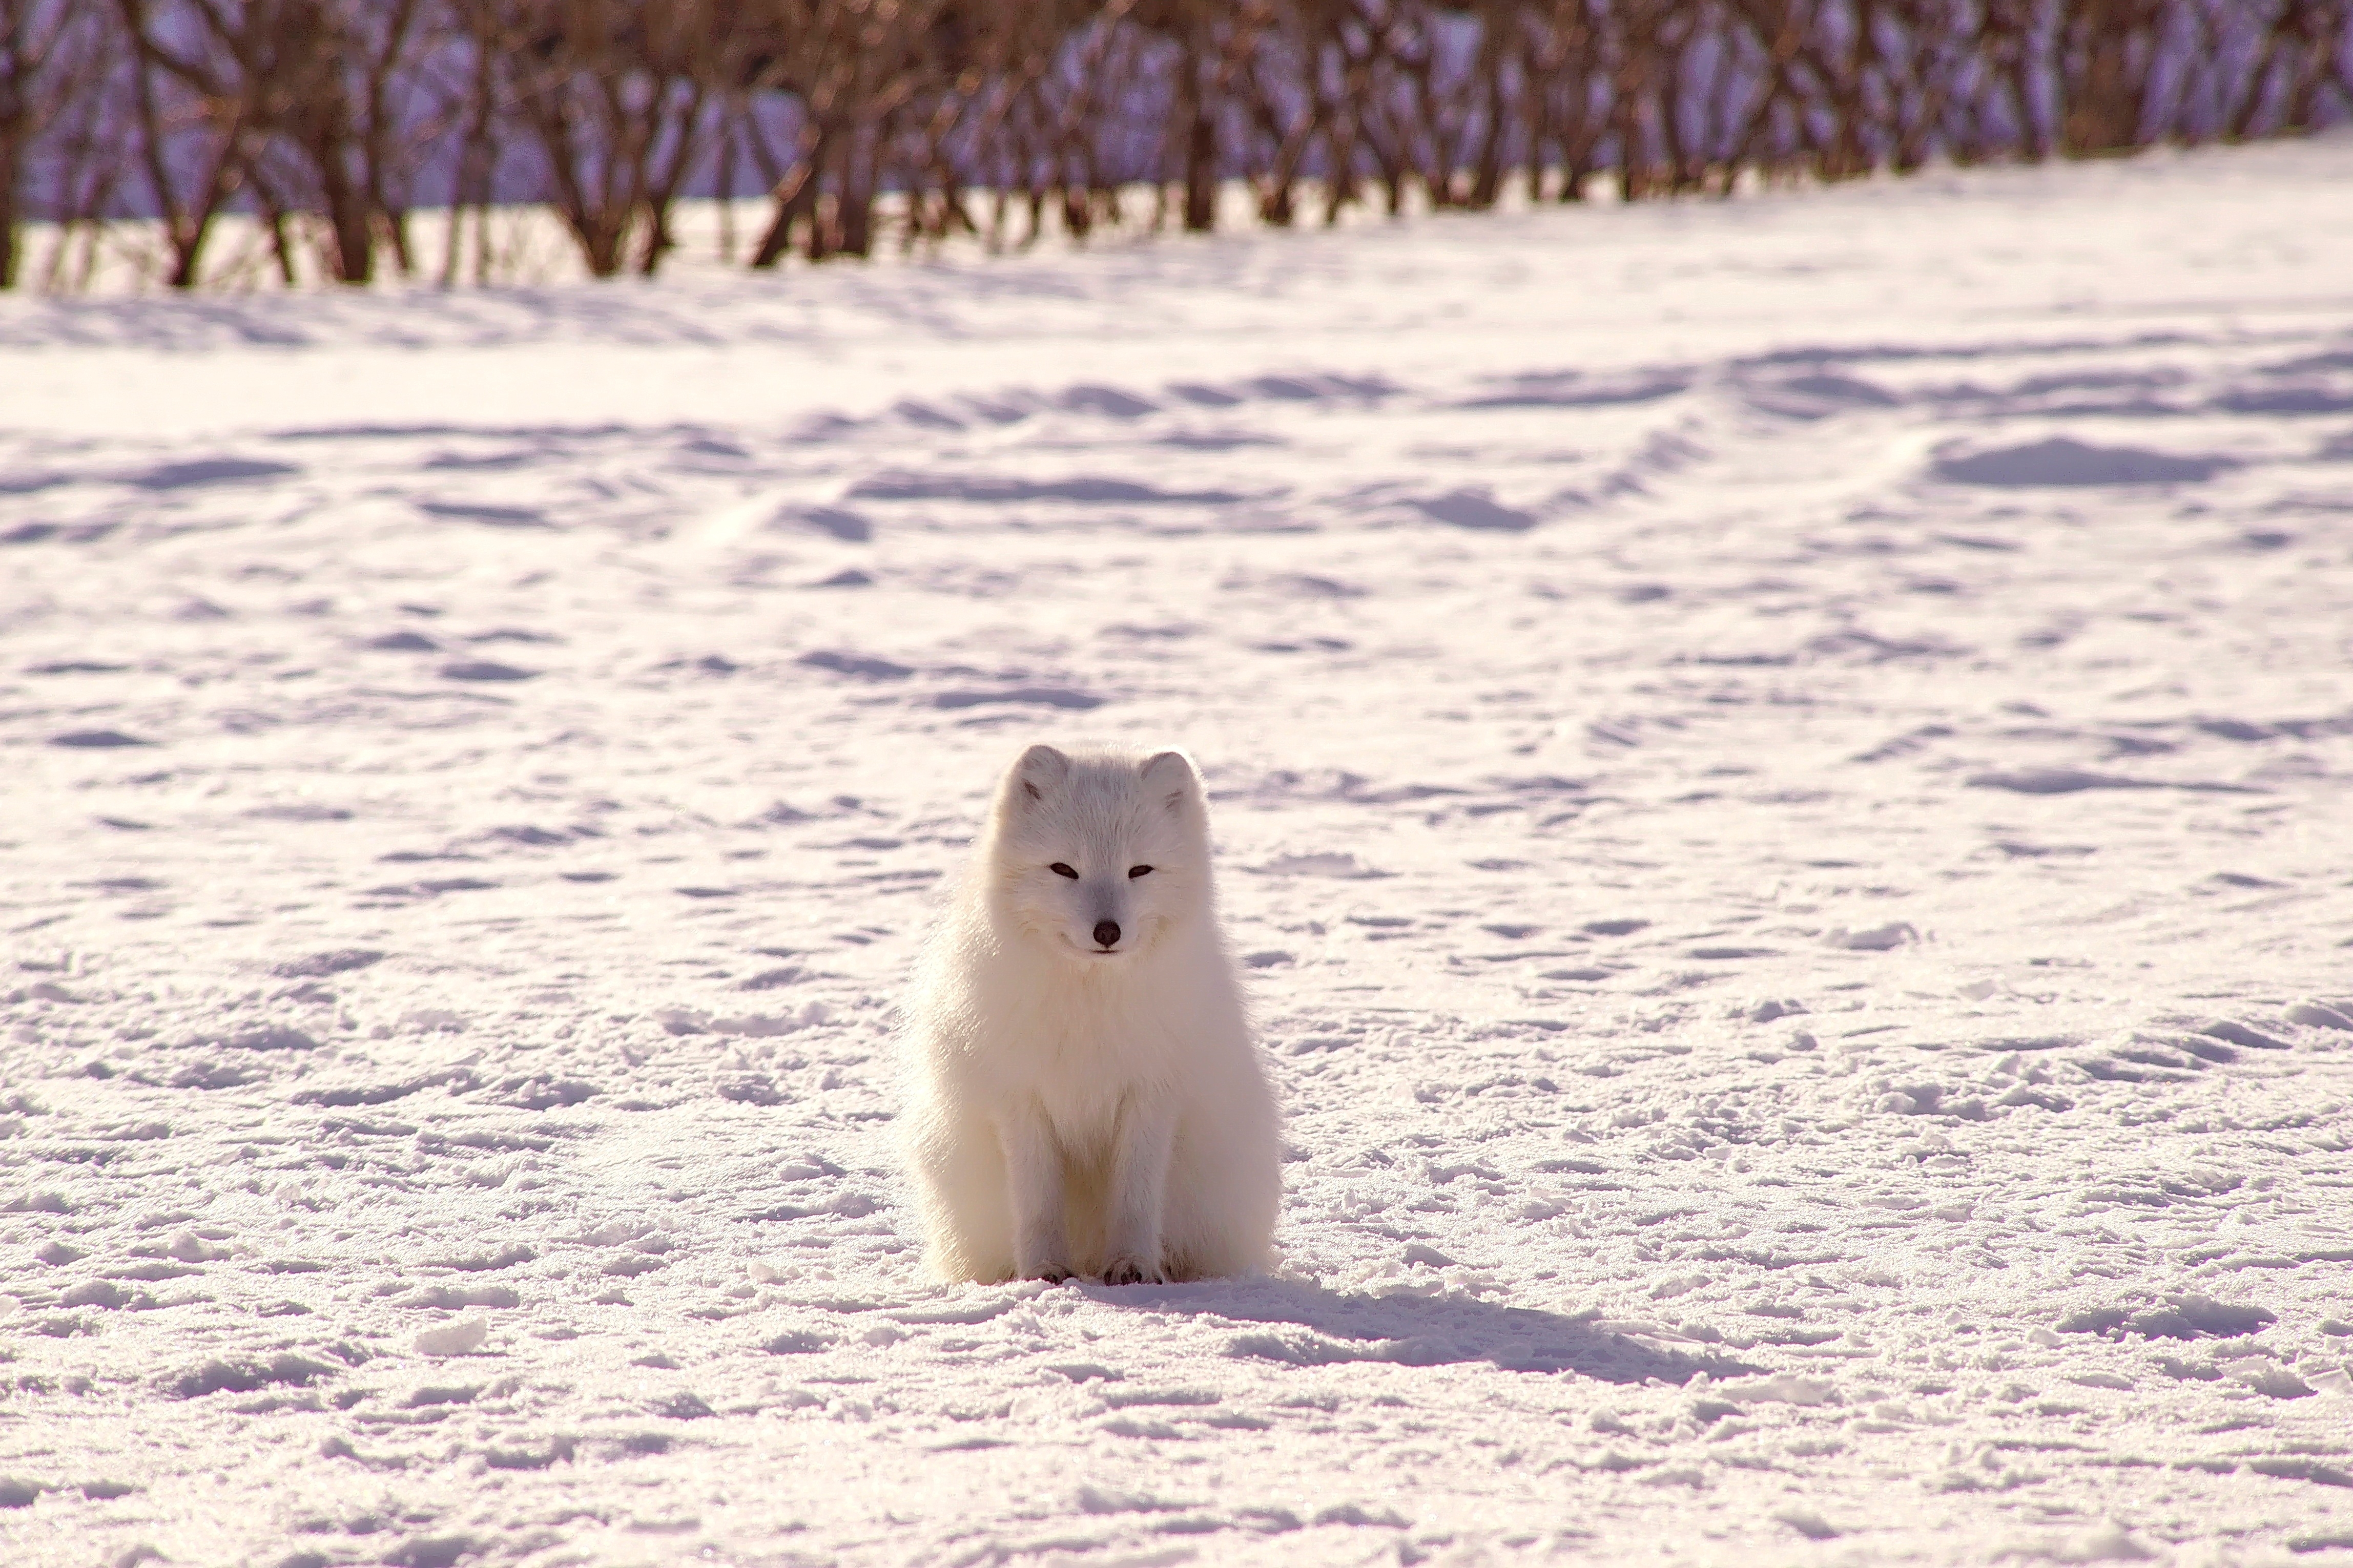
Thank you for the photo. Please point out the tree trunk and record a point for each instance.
(1487, 164)
(472, 182)
(348, 218)
(1201, 147)
(12, 158)
(2105, 87)
(795, 198)
(280, 250)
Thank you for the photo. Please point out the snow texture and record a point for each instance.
(1781, 771)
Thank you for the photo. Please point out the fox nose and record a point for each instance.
(1107, 933)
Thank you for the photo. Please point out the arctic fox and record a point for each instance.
(1084, 1094)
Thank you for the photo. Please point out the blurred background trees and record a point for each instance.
(327, 123)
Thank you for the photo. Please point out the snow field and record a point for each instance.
(1780, 771)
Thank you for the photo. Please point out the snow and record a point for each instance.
(1780, 770)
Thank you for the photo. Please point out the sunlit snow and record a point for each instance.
(1784, 778)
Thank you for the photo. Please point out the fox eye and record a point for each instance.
(1136, 871)
(1061, 870)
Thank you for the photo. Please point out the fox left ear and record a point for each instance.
(1037, 770)
(1174, 772)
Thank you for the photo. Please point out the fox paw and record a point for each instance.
(1128, 1271)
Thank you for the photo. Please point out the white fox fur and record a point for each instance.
(1077, 1106)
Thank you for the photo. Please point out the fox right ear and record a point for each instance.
(1037, 770)
(1172, 771)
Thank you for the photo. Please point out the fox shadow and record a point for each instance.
(1306, 1325)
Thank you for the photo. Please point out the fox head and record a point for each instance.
(1098, 854)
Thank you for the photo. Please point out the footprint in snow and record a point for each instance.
(1060, 697)
(2062, 460)
(486, 513)
(209, 471)
(1477, 509)
(97, 740)
(401, 642)
(896, 484)
(860, 665)
(1108, 401)
(1615, 927)
(1817, 397)
(833, 521)
(2068, 780)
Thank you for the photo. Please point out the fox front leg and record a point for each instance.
(1033, 1171)
(1139, 1193)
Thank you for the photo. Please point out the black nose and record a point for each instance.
(1107, 933)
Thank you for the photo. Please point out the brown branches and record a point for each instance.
(617, 101)
(323, 122)
(859, 74)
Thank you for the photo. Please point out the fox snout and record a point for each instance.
(1111, 921)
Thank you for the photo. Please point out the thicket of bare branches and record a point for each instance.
(870, 122)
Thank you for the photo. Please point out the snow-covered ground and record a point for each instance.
(1784, 771)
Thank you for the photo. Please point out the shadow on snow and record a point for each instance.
(1306, 1325)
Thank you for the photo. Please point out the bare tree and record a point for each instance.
(618, 102)
(471, 87)
(855, 70)
(198, 130)
(2107, 56)
(2298, 58)
(53, 57)
(324, 70)
(1567, 94)
(80, 158)
(1209, 44)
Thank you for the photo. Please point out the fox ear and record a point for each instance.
(1171, 771)
(1036, 771)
